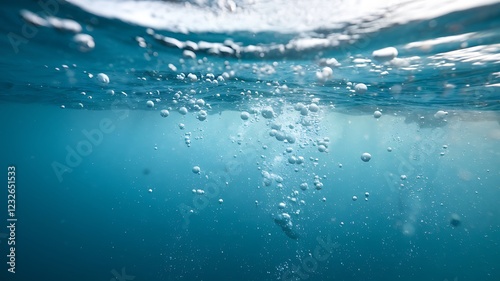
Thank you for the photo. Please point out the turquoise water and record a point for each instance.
(223, 149)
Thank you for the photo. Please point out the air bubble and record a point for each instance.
(164, 113)
(202, 115)
(200, 102)
(189, 54)
(366, 157)
(267, 112)
(385, 54)
(192, 77)
(318, 185)
(244, 115)
(84, 42)
(183, 110)
(440, 114)
(360, 88)
(102, 78)
(313, 107)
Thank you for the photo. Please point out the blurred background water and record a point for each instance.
(226, 140)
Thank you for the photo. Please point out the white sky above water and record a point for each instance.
(265, 15)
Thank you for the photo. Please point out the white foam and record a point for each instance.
(429, 44)
(476, 54)
(272, 15)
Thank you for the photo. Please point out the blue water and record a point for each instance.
(106, 187)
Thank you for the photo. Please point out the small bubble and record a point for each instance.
(360, 88)
(189, 54)
(268, 112)
(200, 102)
(455, 220)
(318, 185)
(202, 115)
(164, 113)
(385, 54)
(366, 157)
(84, 42)
(244, 115)
(299, 160)
(196, 170)
(102, 78)
(313, 107)
(441, 114)
(183, 110)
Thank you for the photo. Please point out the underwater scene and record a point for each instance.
(250, 140)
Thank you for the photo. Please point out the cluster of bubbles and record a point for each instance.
(268, 179)
(284, 220)
(188, 102)
(280, 135)
(293, 126)
(323, 144)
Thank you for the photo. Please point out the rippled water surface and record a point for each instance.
(251, 140)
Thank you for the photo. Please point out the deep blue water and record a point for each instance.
(107, 189)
